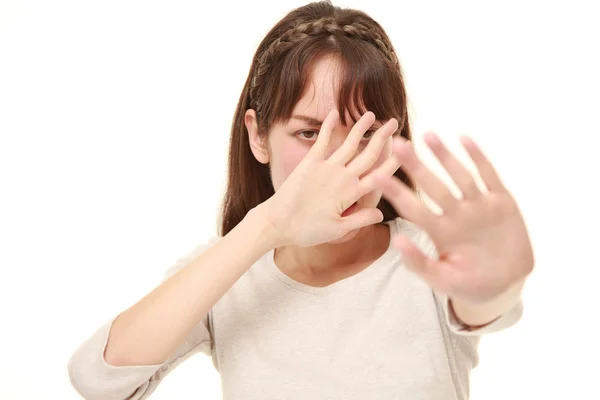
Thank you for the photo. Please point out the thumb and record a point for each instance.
(414, 258)
(362, 218)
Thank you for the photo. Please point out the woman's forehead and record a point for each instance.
(323, 84)
(318, 101)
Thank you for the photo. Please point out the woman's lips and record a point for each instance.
(349, 210)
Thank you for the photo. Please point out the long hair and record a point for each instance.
(370, 77)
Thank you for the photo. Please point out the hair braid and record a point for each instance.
(322, 26)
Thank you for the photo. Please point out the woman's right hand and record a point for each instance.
(307, 209)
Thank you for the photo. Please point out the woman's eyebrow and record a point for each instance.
(315, 122)
(308, 120)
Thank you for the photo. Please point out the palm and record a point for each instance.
(481, 239)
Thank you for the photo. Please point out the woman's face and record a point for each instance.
(288, 143)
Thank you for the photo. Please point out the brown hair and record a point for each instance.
(371, 79)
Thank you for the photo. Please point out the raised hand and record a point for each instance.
(307, 209)
(482, 243)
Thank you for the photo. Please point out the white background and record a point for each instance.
(115, 119)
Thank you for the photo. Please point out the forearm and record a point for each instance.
(482, 314)
(150, 330)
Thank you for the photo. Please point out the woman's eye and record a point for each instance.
(368, 134)
(314, 134)
(308, 134)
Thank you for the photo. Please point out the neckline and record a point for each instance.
(388, 256)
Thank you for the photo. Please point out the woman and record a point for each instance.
(330, 278)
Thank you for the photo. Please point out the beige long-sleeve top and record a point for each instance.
(380, 334)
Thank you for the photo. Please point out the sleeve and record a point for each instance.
(94, 379)
(504, 321)
(446, 313)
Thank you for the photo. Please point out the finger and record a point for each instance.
(368, 182)
(406, 202)
(347, 150)
(319, 148)
(424, 177)
(361, 218)
(418, 262)
(367, 158)
(460, 175)
(484, 166)
(414, 258)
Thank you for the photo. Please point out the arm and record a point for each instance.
(128, 356)
(149, 331)
(300, 212)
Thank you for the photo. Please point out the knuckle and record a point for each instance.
(370, 157)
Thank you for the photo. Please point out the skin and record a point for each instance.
(287, 144)
(483, 251)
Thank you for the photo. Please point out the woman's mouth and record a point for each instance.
(349, 210)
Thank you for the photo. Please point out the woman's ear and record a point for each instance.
(257, 145)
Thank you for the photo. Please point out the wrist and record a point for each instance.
(267, 235)
(479, 314)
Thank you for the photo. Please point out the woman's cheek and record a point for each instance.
(288, 159)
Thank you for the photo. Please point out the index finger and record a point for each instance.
(319, 149)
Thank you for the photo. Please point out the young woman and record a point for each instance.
(330, 278)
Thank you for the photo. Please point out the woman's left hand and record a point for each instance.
(481, 239)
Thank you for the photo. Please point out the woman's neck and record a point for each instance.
(327, 260)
